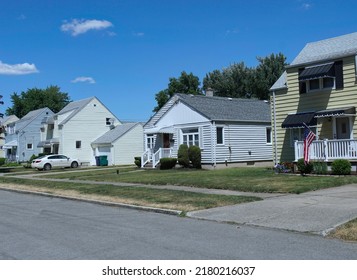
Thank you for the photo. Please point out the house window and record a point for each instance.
(220, 136)
(29, 146)
(191, 137)
(297, 134)
(268, 135)
(78, 144)
(109, 121)
(321, 77)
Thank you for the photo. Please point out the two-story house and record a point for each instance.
(4, 123)
(22, 136)
(72, 130)
(319, 89)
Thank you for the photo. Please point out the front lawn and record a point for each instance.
(170, 199)
(249, 179)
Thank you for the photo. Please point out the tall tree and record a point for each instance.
(238, 80)
(186, 83)
(267, 73)
(35, 98)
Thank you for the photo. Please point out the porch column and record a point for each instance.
(325, 150)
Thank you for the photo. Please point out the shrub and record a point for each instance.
(167, 163)
(304, 168)
(182, 156)
(194, 154)
(2, 161)
(137, 161)
(341, 167)
(320, 167)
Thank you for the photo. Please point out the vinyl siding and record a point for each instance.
(289, 101)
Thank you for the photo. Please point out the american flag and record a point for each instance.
(309, 136)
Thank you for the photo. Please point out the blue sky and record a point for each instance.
(124, 51)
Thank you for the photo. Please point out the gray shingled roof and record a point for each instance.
(228, 109)
(321, 51)
(29, 117)
(74, 106)
(328, 49)
(114, 134)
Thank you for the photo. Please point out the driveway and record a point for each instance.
(315, 212)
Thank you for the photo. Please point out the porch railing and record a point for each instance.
(154, 158)
(325, 150)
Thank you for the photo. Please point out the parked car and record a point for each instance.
(48, 162)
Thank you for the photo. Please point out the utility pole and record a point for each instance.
(1, 118)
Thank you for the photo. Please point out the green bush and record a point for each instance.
(182, 156)
(137, 161)
(2, 161)
(194, 154)
(304, 168)
(341, 167)
(320, 167)
(167, 163)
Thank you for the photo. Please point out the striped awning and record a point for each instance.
(335, 112)
(167, 129)
(10, 145)
(321, 71)
(298, 120)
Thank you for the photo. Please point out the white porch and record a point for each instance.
(328, 150)
(153, 158)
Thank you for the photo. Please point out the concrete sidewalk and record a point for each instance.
(315, 212)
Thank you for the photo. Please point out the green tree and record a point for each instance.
(267, 73)
(35, 98)
(241, 81)
(186, 83)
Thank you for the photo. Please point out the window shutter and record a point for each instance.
(302, 84)
(339, 74)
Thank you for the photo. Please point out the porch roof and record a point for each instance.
(335, 112)
(10, 144)
(167, 129)
(298, 120)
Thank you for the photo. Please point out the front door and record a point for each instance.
(166, 140)
(343, 128)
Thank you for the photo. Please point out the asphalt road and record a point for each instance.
(36, 227)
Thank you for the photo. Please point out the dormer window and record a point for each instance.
(321, 77)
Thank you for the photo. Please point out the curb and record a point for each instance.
(100, 202)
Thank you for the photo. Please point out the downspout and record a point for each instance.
(275, 139)
(214, 160)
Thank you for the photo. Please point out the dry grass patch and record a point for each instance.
(346, 231)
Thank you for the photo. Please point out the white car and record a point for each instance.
(54, 161)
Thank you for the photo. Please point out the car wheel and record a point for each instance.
(47, 167)
(74, 164)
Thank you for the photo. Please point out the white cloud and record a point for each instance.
(80, 26)
(17, 69)
(306, 6)
(89, 80)
(139, 34)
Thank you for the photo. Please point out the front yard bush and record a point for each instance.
(2, 161)
(167, 163)
(320, 168)
(304, 168)
(341, 167)
(194, 154)
(182, 156)
(137, 161)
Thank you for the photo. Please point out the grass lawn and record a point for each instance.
(170, 199)
(241, 179)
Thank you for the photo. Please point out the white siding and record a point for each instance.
(130, 145)
(86, 126)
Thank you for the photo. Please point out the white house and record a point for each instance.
(228, 130)
(121, 144)
(72, 130)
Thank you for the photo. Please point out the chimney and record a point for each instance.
(209, 92)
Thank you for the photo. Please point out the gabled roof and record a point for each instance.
(29, 117)
(320, 52)
(328, 49)
(114, 134)
(226, 109)
(9, 119)
(75, 107)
